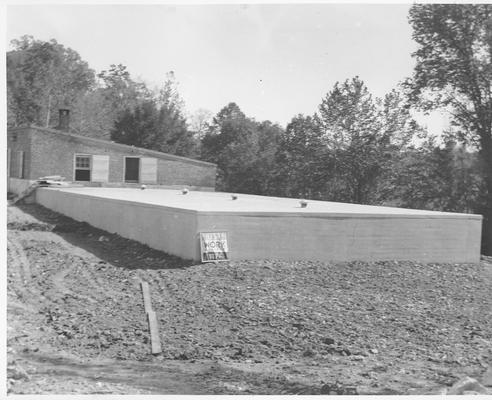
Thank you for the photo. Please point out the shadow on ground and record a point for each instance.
(109, 247)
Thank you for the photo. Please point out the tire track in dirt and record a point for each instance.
(19, 268)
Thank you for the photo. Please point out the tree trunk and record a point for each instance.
(48, 114)
(486, 156)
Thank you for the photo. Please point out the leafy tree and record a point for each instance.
(155, 122)
(264, 166)
(435, 178)
(454, 71)
(174, 136)
(352, 131)
(398, 126)
(399, 130)
(301, 156)
(41, 78)
(243, 150)
(135, 125)
(199, 122)
(96, 112)
(232, 144)
(92, 115)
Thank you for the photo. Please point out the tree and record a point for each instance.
(135, 125)
(243, 149)
(433, 177)
(155, 122)
(92, 115)
(269, 137)
(199, 122)
(301, 160)
(232, 144)
(352, 131)
(96, 112)
(454, 71)
(174, 136)
(399, 129)
(42, 77)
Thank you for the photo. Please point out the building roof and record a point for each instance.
(116, 146)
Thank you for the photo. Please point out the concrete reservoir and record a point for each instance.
(260, 227)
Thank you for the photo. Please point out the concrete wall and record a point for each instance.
(17, 186)
(50, 152)
(332, 238)
(162, 228)
(286, 236)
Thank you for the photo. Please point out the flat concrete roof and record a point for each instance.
(221, 202)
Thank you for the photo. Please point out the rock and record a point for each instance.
(328, 340)
(467, 384)
(10, 383)
(17, 372)
(336, 389)
(487, 377)
(308, 353)
(374, 351)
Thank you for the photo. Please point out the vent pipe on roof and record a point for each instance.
(64, 119)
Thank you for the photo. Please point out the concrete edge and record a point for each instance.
(336, 215)
(300, 214)
(129, 202)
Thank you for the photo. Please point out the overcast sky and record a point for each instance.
(274, 61)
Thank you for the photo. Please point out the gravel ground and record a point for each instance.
(265, 327)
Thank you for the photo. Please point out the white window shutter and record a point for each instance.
(148, 170)
(21, 164)
(100, 168)
(9, 161)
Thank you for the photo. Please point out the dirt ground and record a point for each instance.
(76, 323)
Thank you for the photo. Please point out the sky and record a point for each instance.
(275, 61)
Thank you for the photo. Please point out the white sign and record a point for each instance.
(213, 246)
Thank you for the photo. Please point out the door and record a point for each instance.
(132, 169)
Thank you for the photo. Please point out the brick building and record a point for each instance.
(34, 152)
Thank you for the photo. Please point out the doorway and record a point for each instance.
(132, 169)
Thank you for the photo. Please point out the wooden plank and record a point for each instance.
(155, 341)
(146, 296)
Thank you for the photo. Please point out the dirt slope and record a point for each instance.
(76, 322)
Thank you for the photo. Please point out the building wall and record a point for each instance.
(19, 140)
(53, 154)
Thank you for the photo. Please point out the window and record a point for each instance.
(82, 168)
